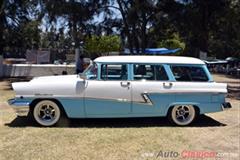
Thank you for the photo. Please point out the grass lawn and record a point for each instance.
(132, 138)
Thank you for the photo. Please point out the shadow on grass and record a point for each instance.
(202, 121)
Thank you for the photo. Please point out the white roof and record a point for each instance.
(149, 59)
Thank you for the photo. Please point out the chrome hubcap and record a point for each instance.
(183, 114)
(46, 112)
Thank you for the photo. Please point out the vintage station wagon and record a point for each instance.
(124, 86)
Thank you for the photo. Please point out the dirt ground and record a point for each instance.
(132, 138)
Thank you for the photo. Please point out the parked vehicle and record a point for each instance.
(124, 86)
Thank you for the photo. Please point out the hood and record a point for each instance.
(62, 78)
(48, 85)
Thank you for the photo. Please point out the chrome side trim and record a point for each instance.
(186, 92)
(38, 94)
(146, 98)
(160, 92)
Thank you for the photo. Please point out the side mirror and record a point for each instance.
(83, 76)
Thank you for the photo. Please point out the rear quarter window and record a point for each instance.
(189, 73)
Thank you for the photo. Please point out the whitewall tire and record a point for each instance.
(46, 113)
(182, 115)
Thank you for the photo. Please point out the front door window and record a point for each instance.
(114, 72)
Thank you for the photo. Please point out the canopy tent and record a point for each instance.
(153, 51)
(216, 62)
(160, 50)
(232, 59)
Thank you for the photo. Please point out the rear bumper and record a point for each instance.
(226, 105)
(21, 107)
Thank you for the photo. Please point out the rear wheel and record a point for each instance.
(46, 113)
(182, 115)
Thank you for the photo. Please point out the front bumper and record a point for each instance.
(226, 105)
(21, 107)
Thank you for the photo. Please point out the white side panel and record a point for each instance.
(110, 90)
(50, 88)
(107, 98)
(140, 87)
(209, 87)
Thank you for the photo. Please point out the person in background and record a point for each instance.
(79, 66)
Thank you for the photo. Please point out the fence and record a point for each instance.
(34, 70)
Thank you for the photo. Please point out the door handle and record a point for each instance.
(125, 84)
(168, 84)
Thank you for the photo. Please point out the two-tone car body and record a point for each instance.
(124, 86)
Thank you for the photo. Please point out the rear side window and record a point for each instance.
(189, 73)
(114, 72)
(149, 72)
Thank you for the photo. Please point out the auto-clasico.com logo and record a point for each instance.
(187, 154)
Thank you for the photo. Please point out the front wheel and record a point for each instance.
(182, 115)
(46, 113)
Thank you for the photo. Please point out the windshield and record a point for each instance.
(91, 71)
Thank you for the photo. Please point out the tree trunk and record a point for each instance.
(143, 33)
(204, 33)
(1, 66)
(126, 26)
(1, 34)
(135, 39)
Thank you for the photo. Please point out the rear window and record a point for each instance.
(189, 73)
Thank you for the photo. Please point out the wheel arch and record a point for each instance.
(35, 101)
(195, 105)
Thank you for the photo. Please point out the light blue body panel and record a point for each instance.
(99, 108)
(160, 103)
(206, 102)
(74, 107)
(106, 107)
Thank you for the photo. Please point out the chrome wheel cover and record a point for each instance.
(46, 113)
(183, 114)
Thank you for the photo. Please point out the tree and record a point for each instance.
(11, 15)
(172, 43)
(78, 16)
(14, 17)
(102, 45)
(197, 20)
(194, 25)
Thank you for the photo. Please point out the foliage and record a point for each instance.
(196, 25)
(31, 34)
(172, 43)
(17, 24)
(99, 45)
